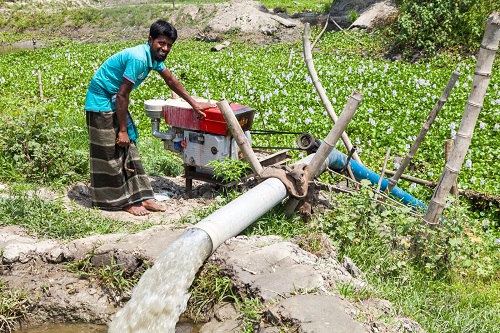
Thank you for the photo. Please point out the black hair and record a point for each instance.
(162, 28)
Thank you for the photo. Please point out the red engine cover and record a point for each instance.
(182, 115)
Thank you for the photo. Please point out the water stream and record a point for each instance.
(162, 293)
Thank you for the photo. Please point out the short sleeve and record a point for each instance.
(135, 70)
(160, 66)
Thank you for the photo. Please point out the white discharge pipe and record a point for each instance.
(230, 220)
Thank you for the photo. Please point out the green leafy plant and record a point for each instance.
(429, 25)
(229, 170)
(35, 146)
(393, 244)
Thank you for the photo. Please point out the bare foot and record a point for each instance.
(151, 205)
(136, 209)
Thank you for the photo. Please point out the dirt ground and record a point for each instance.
(246, 20)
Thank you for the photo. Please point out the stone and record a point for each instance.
(219, 327)
(369, 12)
(22, 252)
(314, 313)
(225, 311)
(271, 270)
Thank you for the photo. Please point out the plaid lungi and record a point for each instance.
(117, 178)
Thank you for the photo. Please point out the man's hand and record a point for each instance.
(200, 106)
(123, 140)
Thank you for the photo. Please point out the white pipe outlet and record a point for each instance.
(236, 216)
(230, 220)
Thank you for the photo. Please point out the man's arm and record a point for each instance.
(179, 89)
(122, 100)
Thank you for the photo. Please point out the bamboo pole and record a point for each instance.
(290, 58)
(384, 167)
(448, 147)
(332, 138)
(423, 131)
(318, 164)
(482, 74)
(319, 88)
(239, 136)
(40, 86)
(413, 179)
(322, 32)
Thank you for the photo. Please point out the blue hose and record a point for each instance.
(337, 161)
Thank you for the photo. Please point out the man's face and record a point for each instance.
(160, 47)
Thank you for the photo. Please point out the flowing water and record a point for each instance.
(162, 293)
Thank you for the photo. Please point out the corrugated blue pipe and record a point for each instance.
(337, 161)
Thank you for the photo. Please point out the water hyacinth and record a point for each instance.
(397, 96)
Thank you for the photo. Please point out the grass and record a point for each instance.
(15, 305)
(441, 306)
(208, 289)
(112, 278)
(53, 219)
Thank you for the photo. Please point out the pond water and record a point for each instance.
(183, 326)
(6, 49)
(66, 328)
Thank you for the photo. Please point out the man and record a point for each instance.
(118, 180)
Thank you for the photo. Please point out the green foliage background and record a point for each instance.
(430, 26)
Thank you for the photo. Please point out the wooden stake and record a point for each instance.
(381, 178)
(320, 90)
(290, 57)
(40, 86)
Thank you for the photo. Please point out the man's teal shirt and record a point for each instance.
(133, 64)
